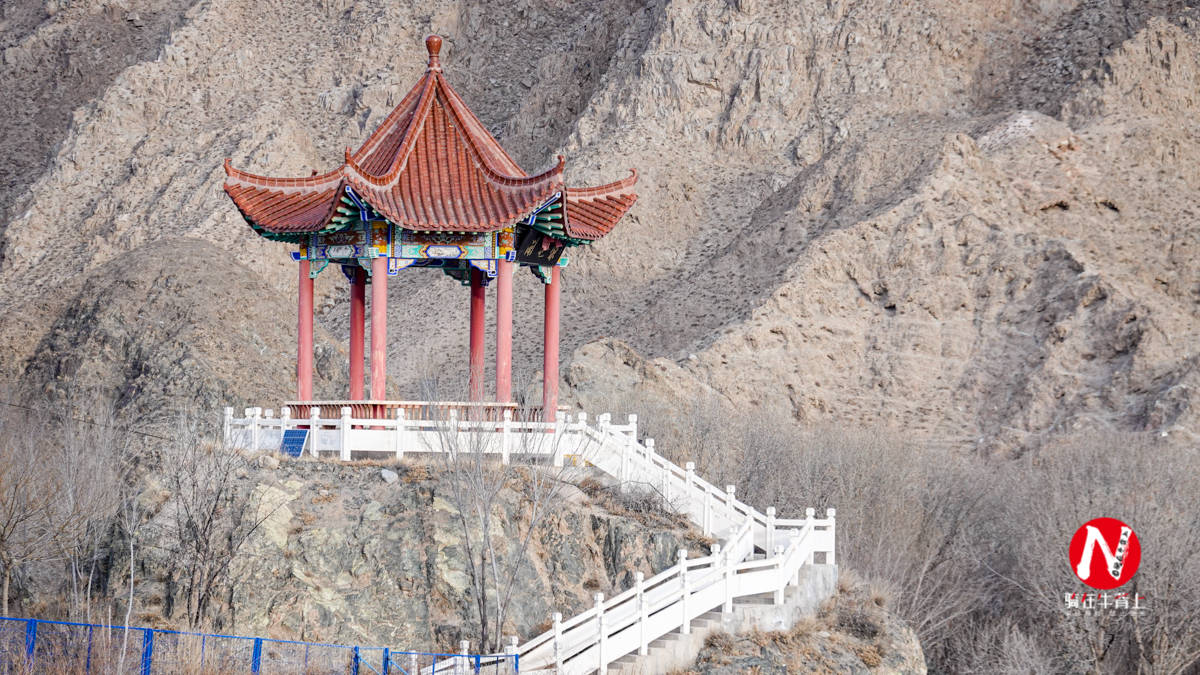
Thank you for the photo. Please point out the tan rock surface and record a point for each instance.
(973, 221)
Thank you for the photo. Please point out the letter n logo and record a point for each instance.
(1105, 553)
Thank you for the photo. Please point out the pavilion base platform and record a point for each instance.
(378, 429)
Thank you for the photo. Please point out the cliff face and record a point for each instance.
(972, 221)
(339, 555)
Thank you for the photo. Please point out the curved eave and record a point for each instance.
(593, 212)
(285, 209)
(493, 202)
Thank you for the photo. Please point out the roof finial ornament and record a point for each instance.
(433, 44)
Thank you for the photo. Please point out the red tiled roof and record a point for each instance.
(431, 165)
(593, 212)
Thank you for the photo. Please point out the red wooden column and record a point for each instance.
(358, 314)
(550, 350)
(477, 336)
(504, 314)
(379, 328)
(304, 332)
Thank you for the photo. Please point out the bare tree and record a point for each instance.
(48, 504)
(481, 488)
(211, 514)
(91, 454)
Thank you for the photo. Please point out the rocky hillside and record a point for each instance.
(973, 221)
(359, 554)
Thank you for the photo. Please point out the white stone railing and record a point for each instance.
(629, 621)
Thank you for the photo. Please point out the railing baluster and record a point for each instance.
(505, 434)
(783, 578)
(685, 621)
(770, 543)
(728, 562)
(601, 629)
(399, 434)
(314, 428)
(640, 581)
(830, 559)
(344, 435)
(255, 417)
(558, 646)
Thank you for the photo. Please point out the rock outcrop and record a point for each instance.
(341, 556)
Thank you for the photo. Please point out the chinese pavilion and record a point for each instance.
(430, 188)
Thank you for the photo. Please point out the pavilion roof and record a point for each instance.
(430, 166)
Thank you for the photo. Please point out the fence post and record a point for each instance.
(460, 664)
(728, 607)
(731, 504)
(228, 426)
(706, 520)
(147, 650)
(30, 640)
(650, 447)
(602, 640)
(505, 435)
(355, 659)
(314, 428)
(831, 514)
(398, 436)
(689, 479)
(810, 514)
(387, 661)
(256, 656)
(413, 665)
(344, 435)
(558, 655)
(285, 420)
(686, 626)
(511, 651)
(626, 451)
(640, 584)
(770, 529)
(783, 581)
(255, 416)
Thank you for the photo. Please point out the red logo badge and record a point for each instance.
(1105, 553)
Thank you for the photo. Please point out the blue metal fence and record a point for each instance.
(33, 645)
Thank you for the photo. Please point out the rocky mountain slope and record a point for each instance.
(975, 222)
(340, 555)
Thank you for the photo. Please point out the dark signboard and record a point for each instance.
(535, 248)
(293, 442)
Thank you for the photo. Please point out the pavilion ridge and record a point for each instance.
(431, 187)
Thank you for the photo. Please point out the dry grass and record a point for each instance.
(644, 506)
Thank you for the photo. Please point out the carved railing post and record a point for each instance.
(770, 529)
(640, 584)
(314, 428)
(686, 623)
(344, 435)
(505, 436)
(558, 642)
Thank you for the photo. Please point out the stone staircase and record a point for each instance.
(677, 650)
